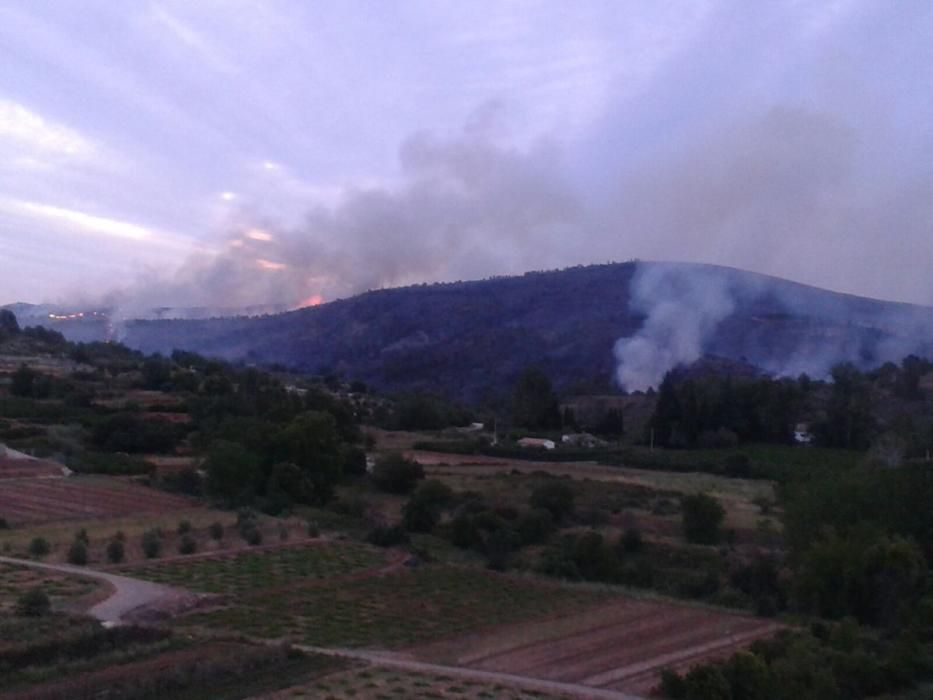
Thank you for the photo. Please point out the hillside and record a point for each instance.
(470, 339)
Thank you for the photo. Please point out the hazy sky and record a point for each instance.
(237, 152)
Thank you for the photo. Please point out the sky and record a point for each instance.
(238, 153)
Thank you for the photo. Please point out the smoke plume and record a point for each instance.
(466, 206)
(682, 309)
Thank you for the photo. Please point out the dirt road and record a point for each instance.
(129, 594)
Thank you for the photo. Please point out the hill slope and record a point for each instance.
(470, 339)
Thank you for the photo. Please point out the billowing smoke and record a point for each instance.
(682, 309)
(464, 207)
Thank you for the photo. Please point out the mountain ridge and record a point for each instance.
(470, 339)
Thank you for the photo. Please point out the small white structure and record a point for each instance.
(537, 443)
(581, 440)
(802, 434)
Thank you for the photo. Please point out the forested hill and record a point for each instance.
(471, 339)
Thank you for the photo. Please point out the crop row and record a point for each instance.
(247, 571)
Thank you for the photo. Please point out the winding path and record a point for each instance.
(129, 593)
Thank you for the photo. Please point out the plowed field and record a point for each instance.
(30, 501)
(622, 645)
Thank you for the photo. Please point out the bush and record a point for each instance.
(4, 525)
(216, 531)
(702, 518)
(673, 685)
(152, 544)
(184, 527)
(387, 536)
(423, 510)
(313, 529)
(115, 551)
(187, 545)
(555, 497)
(39, 547)
(394, 473)
(252, 536)
(706, 683)
(631, 541)
(77, 553)
(535, 526)
(33, 603)
(82, 536)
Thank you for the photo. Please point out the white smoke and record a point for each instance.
(682, 311)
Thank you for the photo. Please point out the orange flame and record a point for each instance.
(313, 300)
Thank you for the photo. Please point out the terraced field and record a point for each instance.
(399, 609)
(262, 571)
(389, 684)
(620, 646)
(31, 501)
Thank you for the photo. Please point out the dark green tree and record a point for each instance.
(702, 518)
(233, 473)
(534, 402)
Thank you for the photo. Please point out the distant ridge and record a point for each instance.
(471, 339)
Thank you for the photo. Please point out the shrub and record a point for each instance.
(77, 553)
(82, 536)
(706, 683)
(187, 545)
(394, 473)
(120, 536)
(216, 531)
(184, 527)
(702, 518)
(115, 551)
(4, 525)
(283, 532)
(152, 544)
(252, 535)
(535, 526)
(245, 516)
(555, 497)
(33, 603)
(387, 536)
(313, 529)
(353, 505)
(39, 547)
(631, 541)
(672, 685)
(424, 508)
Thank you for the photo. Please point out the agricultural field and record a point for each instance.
(621, 645)
(373, 683)
(395, 610)
(30, 501)
(248, 571)
(64, 591)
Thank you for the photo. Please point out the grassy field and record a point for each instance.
(371, 683)
(249, 571)
(401, 609)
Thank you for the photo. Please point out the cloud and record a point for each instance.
(108, 227)
(26, 130)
